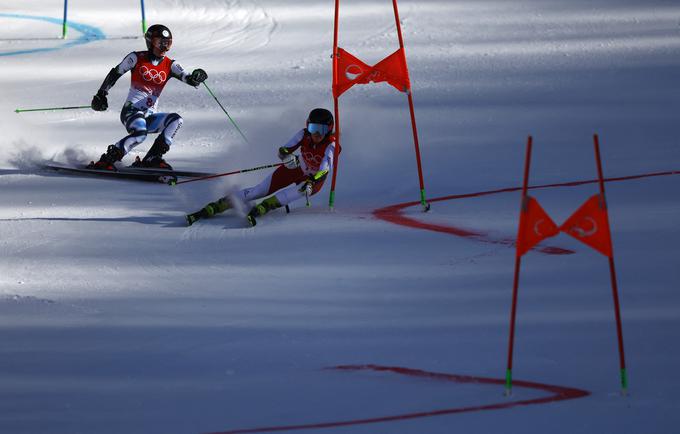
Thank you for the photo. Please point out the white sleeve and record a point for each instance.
(178, 72)
(327, 162)
(127, 64)
(295, 140)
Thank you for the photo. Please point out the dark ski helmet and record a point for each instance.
(320, 120)
(158, 31)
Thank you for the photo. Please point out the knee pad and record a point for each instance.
(135, 122)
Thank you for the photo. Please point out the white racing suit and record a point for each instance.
(149, 77)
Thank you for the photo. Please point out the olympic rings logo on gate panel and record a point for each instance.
(153, 75)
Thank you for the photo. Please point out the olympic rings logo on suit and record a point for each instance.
(153, 75)
(312, 158)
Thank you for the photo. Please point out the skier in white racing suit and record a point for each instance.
(299, 176)
(151, 71)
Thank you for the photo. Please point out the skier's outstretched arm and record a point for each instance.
(291, 145)
(99, 101)
(286, 155)
(194, 79)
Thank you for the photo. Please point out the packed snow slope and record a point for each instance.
(115, 317)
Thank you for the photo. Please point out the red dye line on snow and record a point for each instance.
(393, 213)
(557, 393)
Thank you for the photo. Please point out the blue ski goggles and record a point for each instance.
(317, 129)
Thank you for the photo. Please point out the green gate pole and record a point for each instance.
(143, 19)
(64, 27)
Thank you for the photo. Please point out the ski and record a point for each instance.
(131, 173)
(179, 173)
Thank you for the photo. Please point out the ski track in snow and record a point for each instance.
(227, 24)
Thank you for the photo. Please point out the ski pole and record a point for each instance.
(306, 187)
(51, 108)
(225, 112)
(252, 169)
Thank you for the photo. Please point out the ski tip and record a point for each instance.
(251, 220)
(190, 219)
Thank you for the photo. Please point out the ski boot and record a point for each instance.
(208, 211)
(154, 158)
(107, 161)
(192, 218)
(261, 209)
(252, 221)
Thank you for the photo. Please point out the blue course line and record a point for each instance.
(88, 34)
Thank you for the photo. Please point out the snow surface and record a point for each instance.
(115, 318)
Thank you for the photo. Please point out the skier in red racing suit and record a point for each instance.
(298, 177)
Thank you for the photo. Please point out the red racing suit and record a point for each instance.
(313, 158)
(149, 77)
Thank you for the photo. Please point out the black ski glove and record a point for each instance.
(99, 101)
(197, 77)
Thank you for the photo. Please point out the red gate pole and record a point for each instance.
(336, 153)
(518, 262)
(612, 273)
(423, 201)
